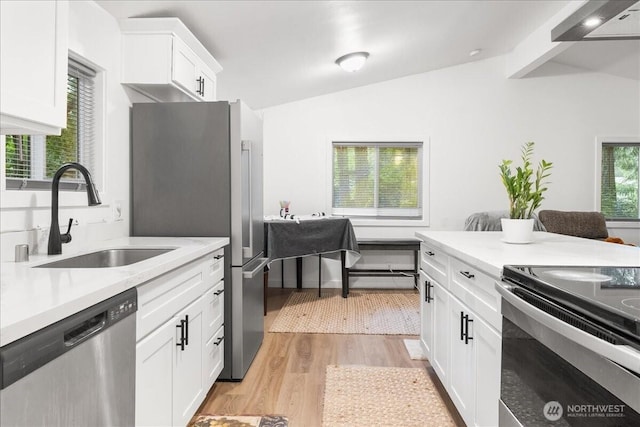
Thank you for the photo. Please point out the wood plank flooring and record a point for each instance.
(288, 375)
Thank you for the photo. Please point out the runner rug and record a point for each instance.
(239, 421)
(374, 313)
(359, 396)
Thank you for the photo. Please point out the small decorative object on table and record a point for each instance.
(525, 195)
(284, 208)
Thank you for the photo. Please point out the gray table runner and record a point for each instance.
(291, 239)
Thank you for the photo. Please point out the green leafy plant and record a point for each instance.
(524, 187)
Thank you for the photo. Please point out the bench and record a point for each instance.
(407, 244)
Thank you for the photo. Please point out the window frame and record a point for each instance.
(600, 141)
(74, 197)
(421, 221)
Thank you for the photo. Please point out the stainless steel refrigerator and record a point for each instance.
(197, 171)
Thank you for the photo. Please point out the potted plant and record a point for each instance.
(525, 189)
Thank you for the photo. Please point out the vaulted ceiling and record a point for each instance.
(273, 52)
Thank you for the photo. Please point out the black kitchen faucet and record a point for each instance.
(55, 239)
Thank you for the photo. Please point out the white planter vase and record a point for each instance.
(517, 230)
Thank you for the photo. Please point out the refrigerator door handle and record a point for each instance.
(252, 273)
(248, 250)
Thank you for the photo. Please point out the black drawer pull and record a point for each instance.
(182, 338)
(466, 329)
(427, 291)
(216, 293)
(219, 340)
(467, 274)
(186, 328)
(430, 253)
(218, 256)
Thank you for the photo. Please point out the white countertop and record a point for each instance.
(485, 250)
(32, 298)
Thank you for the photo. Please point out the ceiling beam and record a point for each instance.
(538, 48)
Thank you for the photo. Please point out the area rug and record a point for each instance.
(374, 396)
(374, 313)
(414, 349)
(239, 421)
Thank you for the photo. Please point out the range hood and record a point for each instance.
(611, 20)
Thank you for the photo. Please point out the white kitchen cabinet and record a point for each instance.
(462, 322)
(154, 376)
(213, 358)
(426, 314)
(33, 66)
(488, 354)
(474, 380)
(188, 387)
(462, 372)
(169, 387)
(180, 341)
(163, 60)
(441, 333)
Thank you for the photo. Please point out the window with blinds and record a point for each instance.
(620, 181)
(32, 160)
(377, 179)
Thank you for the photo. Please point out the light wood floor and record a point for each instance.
(288, 375)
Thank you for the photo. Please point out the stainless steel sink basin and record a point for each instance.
(107, 258)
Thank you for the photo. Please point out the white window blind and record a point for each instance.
(377, 179)
(620, 181)
(32, 160)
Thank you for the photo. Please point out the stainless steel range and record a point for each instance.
(570, 346)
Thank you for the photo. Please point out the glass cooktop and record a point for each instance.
(610, 294)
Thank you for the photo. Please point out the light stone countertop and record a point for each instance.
(32, 298)
(486, 251)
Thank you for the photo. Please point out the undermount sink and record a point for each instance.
(107, 258)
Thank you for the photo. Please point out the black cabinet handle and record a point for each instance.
(186, 327)
(218, 256)
(219, 340)
(216, 293)
(199, 89)
(202, 90)
(464, 327)
(181, 343)
(466, 333)
(430, 253)
(467, 274)
(427, 291)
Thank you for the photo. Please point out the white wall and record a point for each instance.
(473, 116)
(94, 36)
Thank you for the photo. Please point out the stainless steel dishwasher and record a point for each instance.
(79, 371)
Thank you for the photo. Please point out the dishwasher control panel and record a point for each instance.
(123, 309)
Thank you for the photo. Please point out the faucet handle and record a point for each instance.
(66, 237)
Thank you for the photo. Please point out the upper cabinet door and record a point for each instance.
(208, 84)
(33, 66)
(163, 60)
(185, 67)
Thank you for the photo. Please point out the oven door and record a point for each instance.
(548, 377)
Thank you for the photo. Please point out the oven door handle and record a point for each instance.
(620, 354)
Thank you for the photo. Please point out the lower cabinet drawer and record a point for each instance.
(477, 290)
(213, 309)
(160, 298)
(214, 358)
(434, 262)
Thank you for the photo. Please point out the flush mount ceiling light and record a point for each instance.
(474, 52)
(352, 62)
